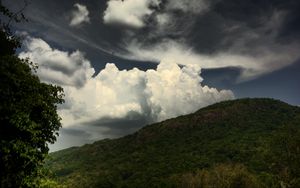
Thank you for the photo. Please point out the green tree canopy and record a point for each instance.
(28, 113)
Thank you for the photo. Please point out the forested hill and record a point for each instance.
(239, 143)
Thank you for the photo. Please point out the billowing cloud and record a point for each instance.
(55, 66)
(80, 15)
(152, 95)
(158, 94)
(128, 12)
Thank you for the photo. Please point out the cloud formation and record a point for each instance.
(154, 95)
(254, 62)
(166, 92)
(128, 12)
(223, 43)
(55, 66)
(80, 15)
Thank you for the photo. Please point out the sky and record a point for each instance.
(124, 64)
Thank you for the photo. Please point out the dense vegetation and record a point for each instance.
(28, 116)
(241, 143)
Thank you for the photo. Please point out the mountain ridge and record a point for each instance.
(236, 134)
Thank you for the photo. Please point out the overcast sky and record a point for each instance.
(127, 63)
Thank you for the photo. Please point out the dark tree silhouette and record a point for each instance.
(28, 112)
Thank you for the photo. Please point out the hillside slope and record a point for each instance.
(240, 143)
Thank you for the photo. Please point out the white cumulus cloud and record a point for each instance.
(128, 12)
(80, 15)
(166, 92)
(55, 66)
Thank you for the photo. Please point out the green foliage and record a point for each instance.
(219, 176)
(254, 141)
(28, 117)
(28, 120)
(285, 157)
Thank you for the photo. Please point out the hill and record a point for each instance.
(239, 143)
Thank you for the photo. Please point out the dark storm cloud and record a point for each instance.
(116, 127)
(100, 129)
(74, 132)
(257, 36)
(209, 31)
(225, 22)
(254, 15)
(69, 137)
(291, 28)
(103, 128)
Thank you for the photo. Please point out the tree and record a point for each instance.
(28, 113)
